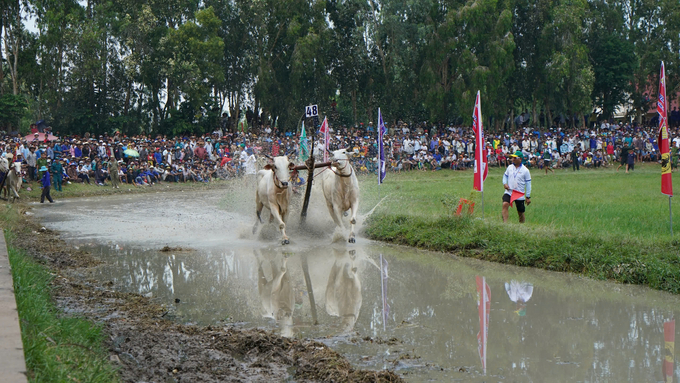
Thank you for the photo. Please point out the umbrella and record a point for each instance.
(40, 137)
(131, 153)
(41, 125)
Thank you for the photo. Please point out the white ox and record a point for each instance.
(341, 190)
(273, 193)
(12, 180)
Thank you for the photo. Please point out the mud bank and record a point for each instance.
(148, 347)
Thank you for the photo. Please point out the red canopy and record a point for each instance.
(40, 137)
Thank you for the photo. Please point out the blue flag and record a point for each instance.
(381, 149)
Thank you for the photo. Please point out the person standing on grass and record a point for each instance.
(46, 183)
(516, 178)
(574, 159)
(547, 160)
(624, 157)
(631, 159)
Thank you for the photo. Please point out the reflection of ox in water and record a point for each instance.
(341, 190)
(276, 293)
(343, 292)
(13, 180)
(273, 193)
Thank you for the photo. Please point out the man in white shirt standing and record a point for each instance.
(518, 179)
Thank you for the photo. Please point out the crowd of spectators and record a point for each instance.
(145, 160)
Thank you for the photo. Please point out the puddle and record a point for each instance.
(430, 317)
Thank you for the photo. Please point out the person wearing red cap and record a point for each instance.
(517, 184)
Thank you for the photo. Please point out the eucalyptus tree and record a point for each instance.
(349, 54)
(290, 38)
(612, 56)
(240, 54)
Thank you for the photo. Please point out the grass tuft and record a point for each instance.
(57, 347)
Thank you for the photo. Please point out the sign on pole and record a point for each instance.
(311, 111)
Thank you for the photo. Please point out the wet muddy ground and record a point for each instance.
(148, 346)
(189, 293)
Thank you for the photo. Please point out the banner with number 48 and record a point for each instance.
(311, 111)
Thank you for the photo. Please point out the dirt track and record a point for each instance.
(148, 347)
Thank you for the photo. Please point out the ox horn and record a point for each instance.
(268, 156)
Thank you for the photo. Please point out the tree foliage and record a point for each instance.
(174, 66)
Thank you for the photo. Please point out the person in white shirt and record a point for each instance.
(516, 179)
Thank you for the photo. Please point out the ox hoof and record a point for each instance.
(285, 242)
(352, 240)
(345, 214)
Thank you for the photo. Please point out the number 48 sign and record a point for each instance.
(311, 111)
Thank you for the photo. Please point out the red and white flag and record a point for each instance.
(326, 138)
(481, 159)
(664, 145)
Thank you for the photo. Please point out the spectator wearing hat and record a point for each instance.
(83, 172)
(42, 161)
(516, 179)
(547, 160)
(46, 183)
(72, 173)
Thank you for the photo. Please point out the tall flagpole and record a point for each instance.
(378, 167)
(480, 150)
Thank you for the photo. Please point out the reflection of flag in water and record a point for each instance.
(484, 305)
(669, 351)
(383, 282)
(381, 149)
(304, 148)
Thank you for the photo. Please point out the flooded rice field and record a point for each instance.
(428, 316)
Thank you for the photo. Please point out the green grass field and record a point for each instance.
(589, 201)
(599, 223)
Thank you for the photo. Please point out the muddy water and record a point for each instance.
(430, 317)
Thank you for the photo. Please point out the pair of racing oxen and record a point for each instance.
(339, 184)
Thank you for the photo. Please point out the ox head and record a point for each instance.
(281, 167)
(16, 166)
(339, 158)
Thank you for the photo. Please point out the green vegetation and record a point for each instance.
(174, 66)
(57, 347)
(600, 223)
